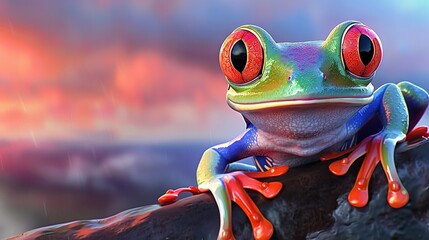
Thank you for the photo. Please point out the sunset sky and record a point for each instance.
(148, 70)
(106, 104)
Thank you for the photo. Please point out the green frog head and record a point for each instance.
(265, 74)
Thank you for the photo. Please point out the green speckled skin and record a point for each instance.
(301, 71)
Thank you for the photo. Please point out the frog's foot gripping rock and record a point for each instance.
(230, 186)
(378, 147)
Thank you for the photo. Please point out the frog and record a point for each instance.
(304, 102)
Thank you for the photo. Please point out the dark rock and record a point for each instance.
(312, 204)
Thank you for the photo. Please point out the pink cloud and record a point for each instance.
(55, 93)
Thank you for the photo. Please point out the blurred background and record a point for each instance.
(105, 104)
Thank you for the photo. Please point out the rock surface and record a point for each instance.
(312, 204)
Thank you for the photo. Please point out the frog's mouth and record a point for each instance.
(299, 102)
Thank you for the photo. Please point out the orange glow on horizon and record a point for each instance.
(53, 92)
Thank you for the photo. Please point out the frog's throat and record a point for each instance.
(298, 102)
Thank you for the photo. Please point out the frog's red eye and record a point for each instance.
(361, 50)
(241, 57)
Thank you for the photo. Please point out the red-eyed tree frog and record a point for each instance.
(303, 102)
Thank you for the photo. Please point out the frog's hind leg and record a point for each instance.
(417, 101)
(380, 147)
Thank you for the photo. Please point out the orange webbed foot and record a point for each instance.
(230, 187)
(378, 147)
(227, 187)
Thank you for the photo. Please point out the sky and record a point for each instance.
(148, 71)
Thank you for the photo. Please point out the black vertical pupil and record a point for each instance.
(239, 55)
(366, 49)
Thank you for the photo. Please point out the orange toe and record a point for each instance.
(264, 230)
(272, 172)
(340, 167)
(358, 197)
(397, 196)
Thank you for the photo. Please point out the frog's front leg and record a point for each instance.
(227, 187)
(227, 180)
(390, 106)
